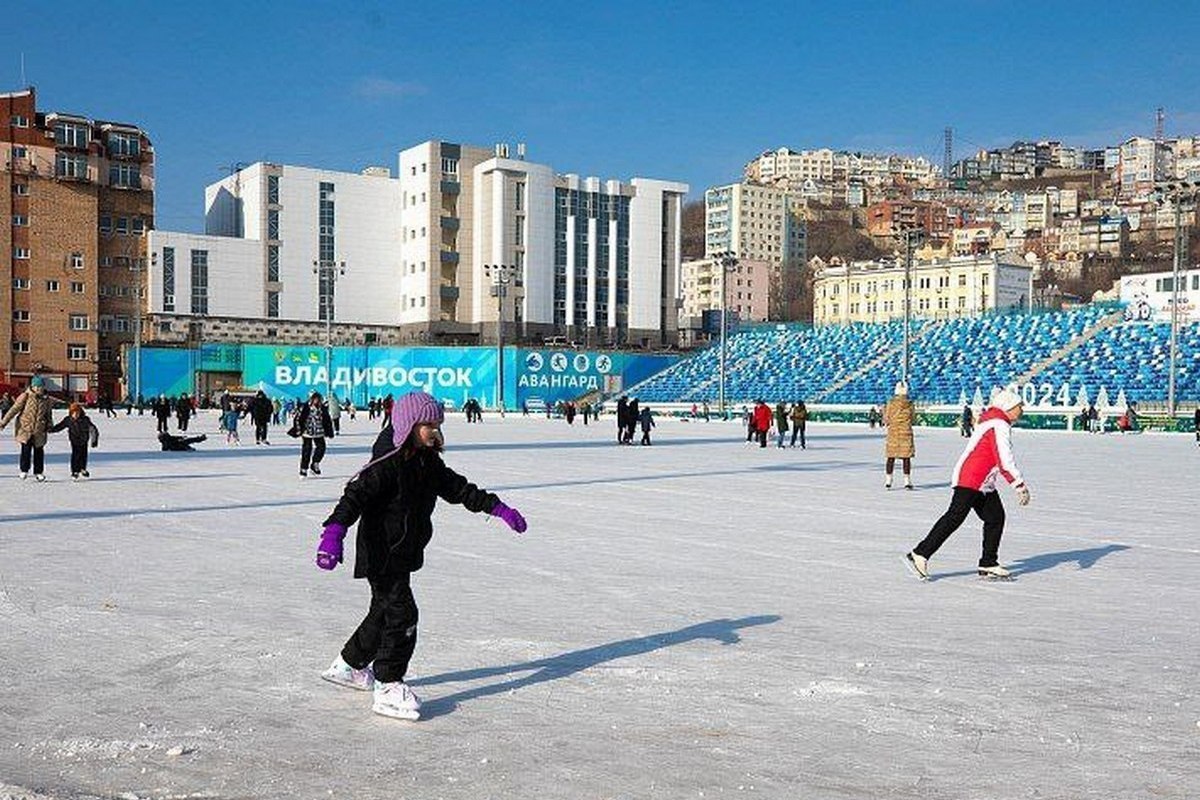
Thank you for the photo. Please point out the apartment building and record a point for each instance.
(77, 203)
(747, 290)
(759, 223)
(942, 288)
(1142, 163)
(890, 218)
(790, 168)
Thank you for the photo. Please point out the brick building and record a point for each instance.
(76, 202)
(889, 217)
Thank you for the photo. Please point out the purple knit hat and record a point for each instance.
(413, 409)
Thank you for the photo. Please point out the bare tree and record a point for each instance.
(692, 232)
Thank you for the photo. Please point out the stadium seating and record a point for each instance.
(948, 358)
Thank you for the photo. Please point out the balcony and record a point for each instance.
(450, 223)
(450, 187)
(449, 257)
(448, 292)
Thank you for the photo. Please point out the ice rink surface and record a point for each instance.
(694, 619)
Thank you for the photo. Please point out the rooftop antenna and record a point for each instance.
(948, 154)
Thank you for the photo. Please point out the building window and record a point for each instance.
(139, 226)
(199, 281)
(520, 195)
(125, 176)
(168, 278)
(124, 144)
(77, 322)
(450, 167)
(273, 262)
(106, 354)
(19, 121)
(105, 223)
(21, 252)
(123, 226)
(71, 134)
(21, 189)
(20, 283)
(273, 224)
(77, 352)
(71, 165)
(20, 347)
(19, 153)
(20, 315)
(20, 220)
(76, 260)
(272, 188)
(272, 304)
(52, 286)
(77, 287)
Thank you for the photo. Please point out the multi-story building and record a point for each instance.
(789, 168)
(890, 218)
(77, 203)
(416, 258)
(1142, 163)
(747, 290)
(759, 223)
(873, 291)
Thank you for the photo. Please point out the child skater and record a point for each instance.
(229, 422)
(392, 499)
(988, 454)
(81, 432)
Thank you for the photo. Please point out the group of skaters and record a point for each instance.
(34, 416)
(629, 417)
(761, 420)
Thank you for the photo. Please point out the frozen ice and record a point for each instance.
(684, 620)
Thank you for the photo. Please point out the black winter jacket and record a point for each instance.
(80, 430)
(393, 503)
(261, 409)
(301, 421)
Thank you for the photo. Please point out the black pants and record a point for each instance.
(905, 462)
(750, 431)
(388, 633)
(798, 430)
(38, 455)
(337, 425)
(162, 425)
(79, 454)
(987, 507)
(311, 452)
(260, 431)
(646, 436)
(183, 422)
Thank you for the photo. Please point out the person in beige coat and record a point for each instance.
(32, 412)
(898, 417)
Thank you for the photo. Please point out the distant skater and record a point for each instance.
(82, 434)
(392, 499)
(988, 454)
(898, 417)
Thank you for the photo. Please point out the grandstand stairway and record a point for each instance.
(1070, 347)
(887, 355)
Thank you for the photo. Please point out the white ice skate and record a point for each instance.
(24, 476)
(343, 674)
(396, 699)
(918, 564)
(40, 477)
(887, 482)
(994, 571)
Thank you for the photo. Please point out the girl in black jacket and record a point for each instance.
(392, 500)
(81, 433)
(312, 424)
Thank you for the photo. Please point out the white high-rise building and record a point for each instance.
(414, 258)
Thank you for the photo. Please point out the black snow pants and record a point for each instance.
(388, 633)
(311, 452)
(798, 430)
(260, 431)
(986, 505)
(38, 456)
(79, 454)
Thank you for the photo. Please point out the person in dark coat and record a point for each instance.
(172, 443)
(646, 418)
(966, 423)
(633, 414)
(162, 412)
(312, 425)
(622, 418)
(183, 411)
(392, 499)
(261, 410)
(81, 433)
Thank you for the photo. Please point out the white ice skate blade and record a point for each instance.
(335, 679)
(384, 710)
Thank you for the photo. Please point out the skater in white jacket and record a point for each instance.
(988, 454)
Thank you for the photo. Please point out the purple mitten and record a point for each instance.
(329, 551)
(512, 518)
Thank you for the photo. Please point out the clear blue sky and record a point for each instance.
(686, 91)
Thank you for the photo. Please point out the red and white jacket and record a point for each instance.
(988, 453)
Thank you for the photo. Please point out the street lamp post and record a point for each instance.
(327, 272)
(910, 237)
(501, 276)
(727, 260)
(1178, 193)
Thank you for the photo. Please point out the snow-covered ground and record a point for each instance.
(693, 619)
